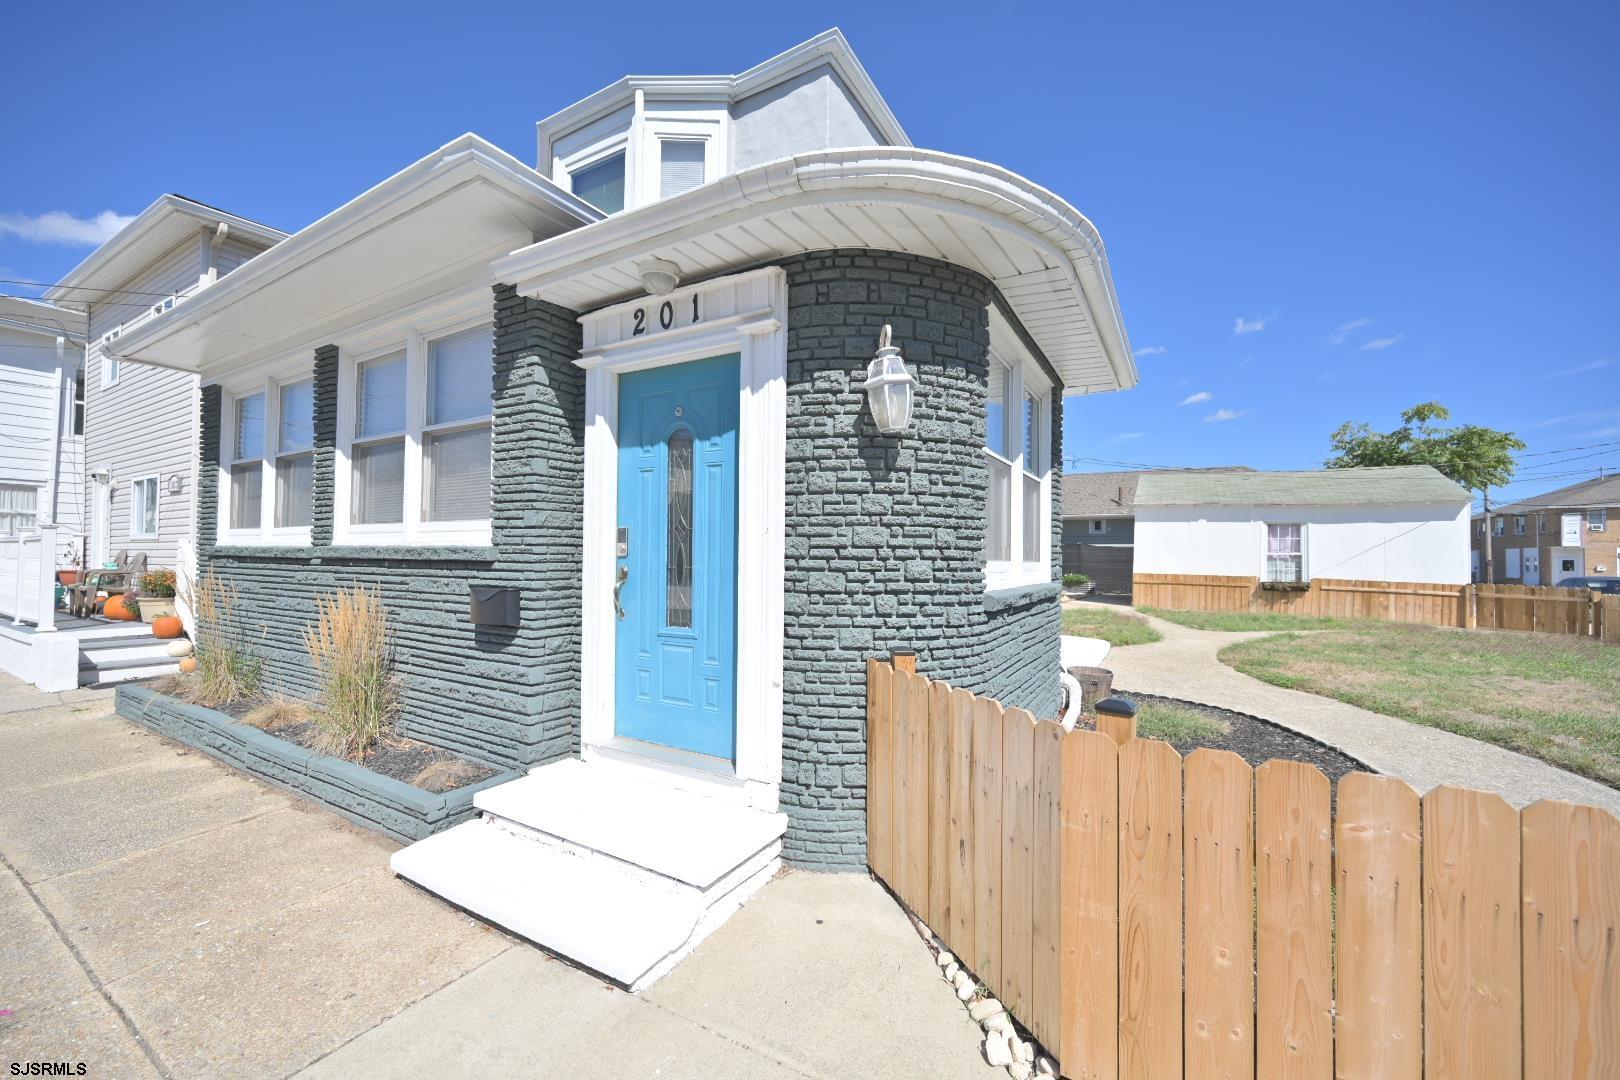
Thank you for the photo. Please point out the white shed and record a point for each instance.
(1404, 523)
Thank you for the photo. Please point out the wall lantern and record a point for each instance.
(889, 387)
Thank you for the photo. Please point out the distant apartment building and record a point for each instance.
(1571, 532)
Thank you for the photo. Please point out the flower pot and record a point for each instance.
(156, 607)
(115, 608)
(67, 577)
(164, 626)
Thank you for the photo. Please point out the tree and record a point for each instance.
(1478, 458)
(1475, 457)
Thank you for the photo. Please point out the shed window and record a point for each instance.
(1285, 552)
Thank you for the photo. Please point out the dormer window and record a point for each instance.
(602, 184)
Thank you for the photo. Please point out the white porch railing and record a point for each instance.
(28, 577)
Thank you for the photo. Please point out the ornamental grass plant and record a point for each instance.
(348, 647)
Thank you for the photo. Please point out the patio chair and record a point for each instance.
(120, 578)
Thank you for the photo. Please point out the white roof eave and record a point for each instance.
(903, 176)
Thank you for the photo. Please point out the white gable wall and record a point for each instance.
(813, 111)
(1427, 543)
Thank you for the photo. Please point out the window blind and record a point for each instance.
(457, 476)
(459, 382)
(680, 166)
(379, 483)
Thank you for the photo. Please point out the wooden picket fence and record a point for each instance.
(1542, 609)
(1145, 916)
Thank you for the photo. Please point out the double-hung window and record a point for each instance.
(1498, 526)
(419, 447)
(1518, 525)
(1017, 453)
(1597, 520)
(267, 478)
(1285, 552)
(18, 508)
(143, 508)
(295, 456)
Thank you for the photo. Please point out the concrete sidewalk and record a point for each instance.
(1185, 665)
(167, 916)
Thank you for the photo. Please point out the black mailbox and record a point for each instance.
(494, 606)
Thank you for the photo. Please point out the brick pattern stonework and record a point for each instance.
(885, 536)
(509, 696)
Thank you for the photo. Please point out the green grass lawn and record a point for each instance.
(1114, 627)
(1176, 723)
(1247, 620)
(1551, 696)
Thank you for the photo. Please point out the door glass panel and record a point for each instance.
(678, 581)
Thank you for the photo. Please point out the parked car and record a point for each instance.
(1596, 584)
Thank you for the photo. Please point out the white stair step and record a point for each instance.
(104, 655)
(596, 912)
(618, 811)
(117, 673)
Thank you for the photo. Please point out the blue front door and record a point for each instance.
(675, 679)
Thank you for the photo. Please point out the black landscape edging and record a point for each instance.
(366, 798)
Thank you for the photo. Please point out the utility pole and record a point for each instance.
(1489, 577)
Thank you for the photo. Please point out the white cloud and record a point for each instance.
(1150, 350)
(61, 227)
(1379, 343)
(1127, 436)
(1346, 329)
(1194, 399)
(1581, 369)
(1220, 415)
(1251, 326)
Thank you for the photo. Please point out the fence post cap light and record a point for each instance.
(889, 387)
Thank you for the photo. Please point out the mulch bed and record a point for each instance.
(394, 756)
(1258, 741)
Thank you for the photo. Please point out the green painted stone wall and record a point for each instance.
(508, 696)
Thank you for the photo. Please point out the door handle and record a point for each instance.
(618, 583)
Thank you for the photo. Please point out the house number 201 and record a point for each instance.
(666, 316)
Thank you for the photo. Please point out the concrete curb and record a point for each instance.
(366, 798)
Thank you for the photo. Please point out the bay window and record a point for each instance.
(1017, 452)
(418, 441)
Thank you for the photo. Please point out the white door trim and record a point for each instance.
(744, 314)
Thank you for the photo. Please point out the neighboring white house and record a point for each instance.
(140, 446)
(42, 422)
(1403, 523)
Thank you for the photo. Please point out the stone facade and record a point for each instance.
(884, 543)
(885, 536)
(509, 696)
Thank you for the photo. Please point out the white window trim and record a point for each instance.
(110, 369)
(649, 123)
(266, 533)
(413, 531)
(596, 155)
(1597, 520)
(1304, 547)
(157, 508)
(1022, 374)
(1097, 527)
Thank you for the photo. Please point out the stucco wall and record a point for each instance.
(1371, 543)
(885, 536)
(508, 696)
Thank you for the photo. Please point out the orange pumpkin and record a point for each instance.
(167, 626)
(115, 608)
(188, 664)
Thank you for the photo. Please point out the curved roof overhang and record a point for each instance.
(427, 230)
(1047, 260)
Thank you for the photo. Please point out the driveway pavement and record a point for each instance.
(164, 915)
(1184, 666)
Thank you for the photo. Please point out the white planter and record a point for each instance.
(153, 607)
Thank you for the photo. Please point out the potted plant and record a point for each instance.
(157, 594)
(1076, 584)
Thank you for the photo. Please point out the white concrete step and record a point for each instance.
(601, 864)
(102, 653)
(127, 671)
(627, 813)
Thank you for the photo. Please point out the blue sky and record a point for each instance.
(1312, 216)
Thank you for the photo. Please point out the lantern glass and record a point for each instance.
(889, 391)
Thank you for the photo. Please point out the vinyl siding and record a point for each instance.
(145, 423)
(32, 382)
